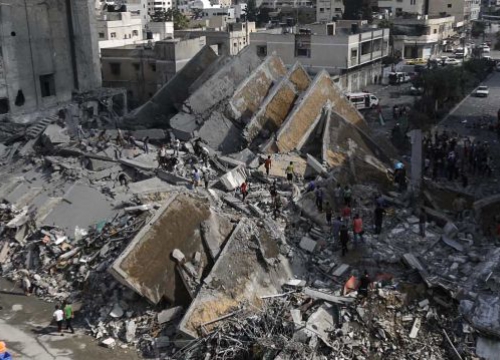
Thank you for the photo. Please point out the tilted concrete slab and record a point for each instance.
(352, 154)
(146, 265)
(309, 109)
(222, 84)
(251, 92)
(165, 102)
(241, 273)
(278, 104)
(220, 133)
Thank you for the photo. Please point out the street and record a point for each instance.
(24, 326)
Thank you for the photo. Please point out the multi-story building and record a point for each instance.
(119, 29)
(160, 5)
(464, 11)
(48, 51)
(400, 7)
(353, 53)
(422, 37)
(328, 10)
(227, 41)
(143, 69)
(139, 7)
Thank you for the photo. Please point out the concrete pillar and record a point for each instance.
(416, 159)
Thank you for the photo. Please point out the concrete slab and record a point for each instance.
(308, 244)
(238, 275)
(214, 232)
(55, 135)
(234, 178)
(184, 126)
(146, 265)
(220, 133)
(487, 349)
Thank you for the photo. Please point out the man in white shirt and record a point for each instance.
(59, 318)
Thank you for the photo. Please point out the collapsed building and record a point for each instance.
(192, 273)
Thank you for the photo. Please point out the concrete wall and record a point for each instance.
(326, 10)
(119, 26)
(249, 95)
(222, 84)
(408, 6)
(278, 103)
(36, 40)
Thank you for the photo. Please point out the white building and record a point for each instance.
(160, 5)
(139, 7)
(399, 7)
(327, 10)
(119, 29)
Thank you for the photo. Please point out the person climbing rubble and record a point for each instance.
(328, 213)
(336, 225)
(196, 178)
(244, 190)
(177, 146)
(379, 218)
(162, 157)
(290, 173)
(347, 193)
(268, 164)
(344, 239)
(364, 284)
(357, 230)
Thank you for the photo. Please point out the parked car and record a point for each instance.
(486, 49)
(451, 61)
(363, 100)
(416, 91)
(396, 78)
(417, 61)
(482, 91)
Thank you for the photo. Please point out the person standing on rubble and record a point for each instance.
(273, 190)
(145, 142)
(347, 196)
(268, 164)
(344, 239)
(379, 218)
(277, 206)
(289, 171)
(339, 195)
(196, 178)
(244, 190)
(357, 229)
(162, 156)
(328, 213)
(177, 147)
(68, 315)
(364, 284)
(336, 225)
(319, 199)
(346, 213)
(206, 178)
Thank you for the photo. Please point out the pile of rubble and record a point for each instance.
(190, 271)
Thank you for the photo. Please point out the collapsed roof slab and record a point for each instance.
(222, 84)
(352, 153)
(243, 272)
(164, 103)
(146, 265)
(308, 111)
(277, 105)
(252, 91)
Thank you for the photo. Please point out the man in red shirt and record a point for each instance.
(244, 190)
(346, 213)
(357, 229)
(267, 165)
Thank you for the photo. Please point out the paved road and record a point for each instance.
(24, 326)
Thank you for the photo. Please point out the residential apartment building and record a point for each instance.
(140, 8)
(278, 4)
(400, 7)
(48, 52)
(422, 37)
(119, 29)
(328, 10)
(225, 41)
(355, 54)
(463, 10)
(160, 5)
(143, 69)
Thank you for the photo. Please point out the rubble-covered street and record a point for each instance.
(175, 243)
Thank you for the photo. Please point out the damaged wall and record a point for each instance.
(249, 95)
(275, 108)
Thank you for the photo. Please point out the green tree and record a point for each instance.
(357, 10)
(180, 21)
(385, 24)
(478, 28)
(251, 11)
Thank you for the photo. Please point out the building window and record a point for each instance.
(366, 48)
(48, 85)
(101, 35)
(136, 66)
(413, 2)
(135, 33)
(153, 67)
(321, 10)
(113, 35)
(261, 50)
(354, 53)
(4, 106)
(449, 6)
(435, 31)
(115, 68)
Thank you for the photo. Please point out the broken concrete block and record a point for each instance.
(296, 283)
(412, 262)
(450, 229)
(169, 314)
(55, 135)
(116, 312)
(340, 270)
(296, 317)
(448, 241)
(322, 322)
(178, 255)
(308, 244)
(423, 303)
(315, 165)
(234, 178)
(415, 328)
(131, 328)
(316, 294)
(110, 343)
(162, 342)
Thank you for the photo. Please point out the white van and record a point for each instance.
(363, 100)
